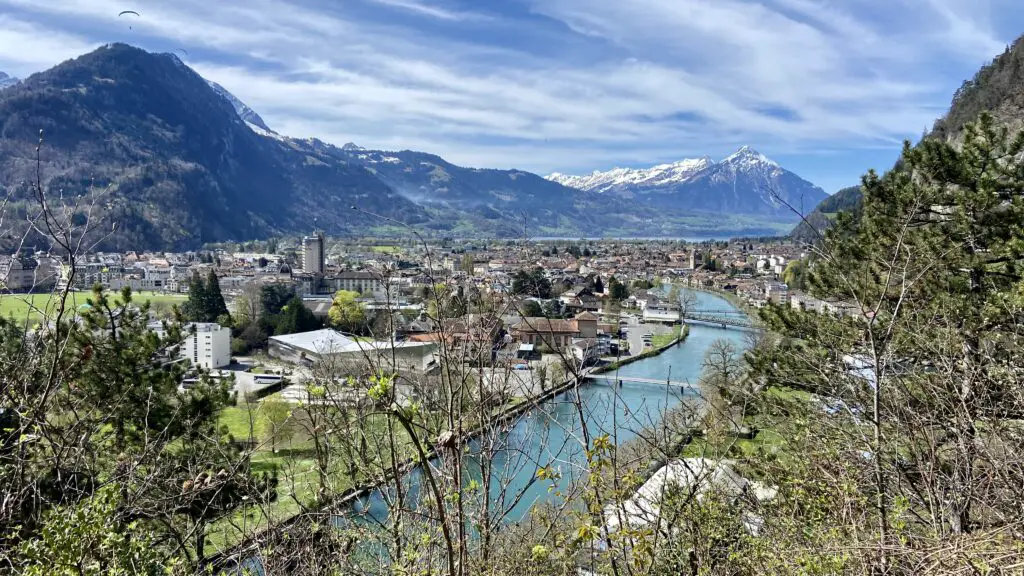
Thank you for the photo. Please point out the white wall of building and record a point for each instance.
(313, 251)
(209, 346)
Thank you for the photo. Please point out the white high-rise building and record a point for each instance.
(206, 344)
(313, 250)
(209, 346)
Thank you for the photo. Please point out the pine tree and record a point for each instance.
(216, 307)
(161, 446)
(296, 318)
(931, 274)
(617, 290)
(194, 309)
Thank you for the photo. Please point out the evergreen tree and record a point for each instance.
(928, 356)
(295, 318)
(531, 283)
(216, 307)
(205, 301)
(273, 298)
(552, 308)
(617, 290)
(150, 436)
(530, 309)
(194, 309)
(598, 285)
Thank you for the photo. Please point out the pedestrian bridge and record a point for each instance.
(723, 318)
(610, 377)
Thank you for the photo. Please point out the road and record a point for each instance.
(245, 382)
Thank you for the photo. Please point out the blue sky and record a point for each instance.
(828, 88)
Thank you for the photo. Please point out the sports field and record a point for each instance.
(33, 306)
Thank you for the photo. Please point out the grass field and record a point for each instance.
(295, 464)
(659, 340)
(34, 306)
(386, 249)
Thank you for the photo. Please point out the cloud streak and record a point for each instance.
(569, 85)
(431, 10)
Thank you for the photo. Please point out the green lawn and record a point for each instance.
(386, 249)
(295, 464)
(34, 306)
(771, 438)
(659, 340)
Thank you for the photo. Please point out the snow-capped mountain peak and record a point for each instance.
(617, 179)
(748, 156)
(744, 182)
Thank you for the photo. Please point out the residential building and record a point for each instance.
(839, 308)
(22, 273)
(587, 350)
(136, 283)
(206, 344)
(554, 333)
(580, 299)
(806, 302)
(361, 282)
(657, 310)
(777, 293)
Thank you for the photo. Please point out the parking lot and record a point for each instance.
(635, 333)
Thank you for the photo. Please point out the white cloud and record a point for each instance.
(430, 10)
(27, 47)
(658, 79)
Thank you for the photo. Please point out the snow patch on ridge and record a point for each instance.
(663, 175)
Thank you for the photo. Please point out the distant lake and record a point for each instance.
(714, 237)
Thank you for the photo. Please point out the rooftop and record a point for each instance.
(319, 341)
(327, 341)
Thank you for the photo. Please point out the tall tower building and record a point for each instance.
(313, 253)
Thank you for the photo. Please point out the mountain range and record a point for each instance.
(170, 160)
(745, 182)
(166, 162)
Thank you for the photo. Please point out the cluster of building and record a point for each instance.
(396, 281)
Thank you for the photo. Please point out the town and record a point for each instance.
(570, 295)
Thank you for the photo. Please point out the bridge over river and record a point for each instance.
(549, 435)
(724, 318)
(637, 380)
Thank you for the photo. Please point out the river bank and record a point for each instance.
(545, 431)
(683, 333)
(731, 298)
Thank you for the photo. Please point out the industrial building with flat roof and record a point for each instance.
(327, 344)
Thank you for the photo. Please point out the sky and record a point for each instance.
(828, 88)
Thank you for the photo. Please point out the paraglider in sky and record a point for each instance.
(123, 12)
(183, 51)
